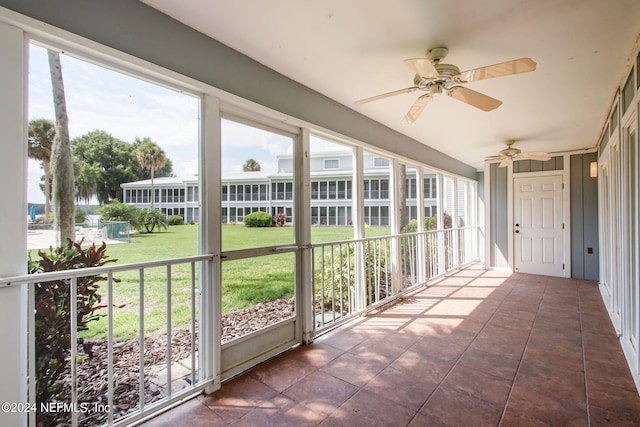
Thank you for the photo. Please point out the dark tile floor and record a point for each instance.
(479, 348)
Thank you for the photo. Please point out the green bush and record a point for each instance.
(176, 220)
(412, 226)
(257, 219)
(53, 314)
(118, 211)
(149, 218)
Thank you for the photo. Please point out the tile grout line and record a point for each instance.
(515, 376)
(584, 360)
(462, 354)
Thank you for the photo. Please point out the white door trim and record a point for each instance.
(566, 211)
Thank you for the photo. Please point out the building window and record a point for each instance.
(315, 195)
(380, 162)
(332, 164)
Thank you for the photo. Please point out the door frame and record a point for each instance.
(566, 211)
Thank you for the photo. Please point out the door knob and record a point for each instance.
(517, 231)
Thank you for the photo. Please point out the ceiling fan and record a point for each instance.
(510, 154)
(434, 78)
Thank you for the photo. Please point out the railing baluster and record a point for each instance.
(349, 284)
(341, 284)
(141, 338)
(322, 288)
(193, 324)
(110, 344)
(333, 287)
(169, 330)
(31, 319)
(73, 304)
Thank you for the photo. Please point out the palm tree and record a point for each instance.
(61, 159)
(151, 157)
(251, 165)
(41, 135)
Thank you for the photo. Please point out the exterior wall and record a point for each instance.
(585, 252)
(499, 209)
(331, 193)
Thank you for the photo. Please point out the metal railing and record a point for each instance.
(353, 276)
(153, 374)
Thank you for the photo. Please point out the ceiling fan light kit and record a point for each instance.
(434, 78)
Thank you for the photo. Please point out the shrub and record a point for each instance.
(412, 226)
(80, 215)
(149, 219)
(53, 313)
(176, 220)
(280, 219)
(117, 211)
(257, 219)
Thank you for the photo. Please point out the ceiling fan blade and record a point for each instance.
(386, 95)
(535, 155)
(422, 66)
(416, 109)
(504, 163)
(473, 98)
(492, 158)
(522, 65)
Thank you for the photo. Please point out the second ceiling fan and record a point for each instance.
(434, 78)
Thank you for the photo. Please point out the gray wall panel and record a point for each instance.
(499, 243)
(584, 219)
(134, 28)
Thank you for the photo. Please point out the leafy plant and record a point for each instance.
(118, 211)
(149, 219)
(257, 219)
(53, 311)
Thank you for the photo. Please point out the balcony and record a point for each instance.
(478, 348)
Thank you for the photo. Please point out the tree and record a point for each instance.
(61, 159)
(251, 165)
(41, 135)
(111, 162)
(150, 156)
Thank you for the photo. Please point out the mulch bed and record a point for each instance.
(92, 367)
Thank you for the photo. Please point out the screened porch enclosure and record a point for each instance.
(387, 252)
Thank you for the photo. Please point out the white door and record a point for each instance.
(538, 228)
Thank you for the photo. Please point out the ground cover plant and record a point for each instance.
(245, 282)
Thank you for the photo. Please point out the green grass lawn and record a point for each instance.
(244, 282)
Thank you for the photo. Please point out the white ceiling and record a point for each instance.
(349, 50)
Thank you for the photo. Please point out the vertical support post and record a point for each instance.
(13, 257)
(357, 187)
(421, 257)
(302, 228)
(455, 224)
(440, 223)
(394, 222)
(209, 323)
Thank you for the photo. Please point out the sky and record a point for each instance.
(127, 107)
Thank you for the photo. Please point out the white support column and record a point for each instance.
(357, 215)
(302, 224)
(13, 252)
(455, 223)
(210, 241)
(394, 222)
(421, 252)
(440, 225)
